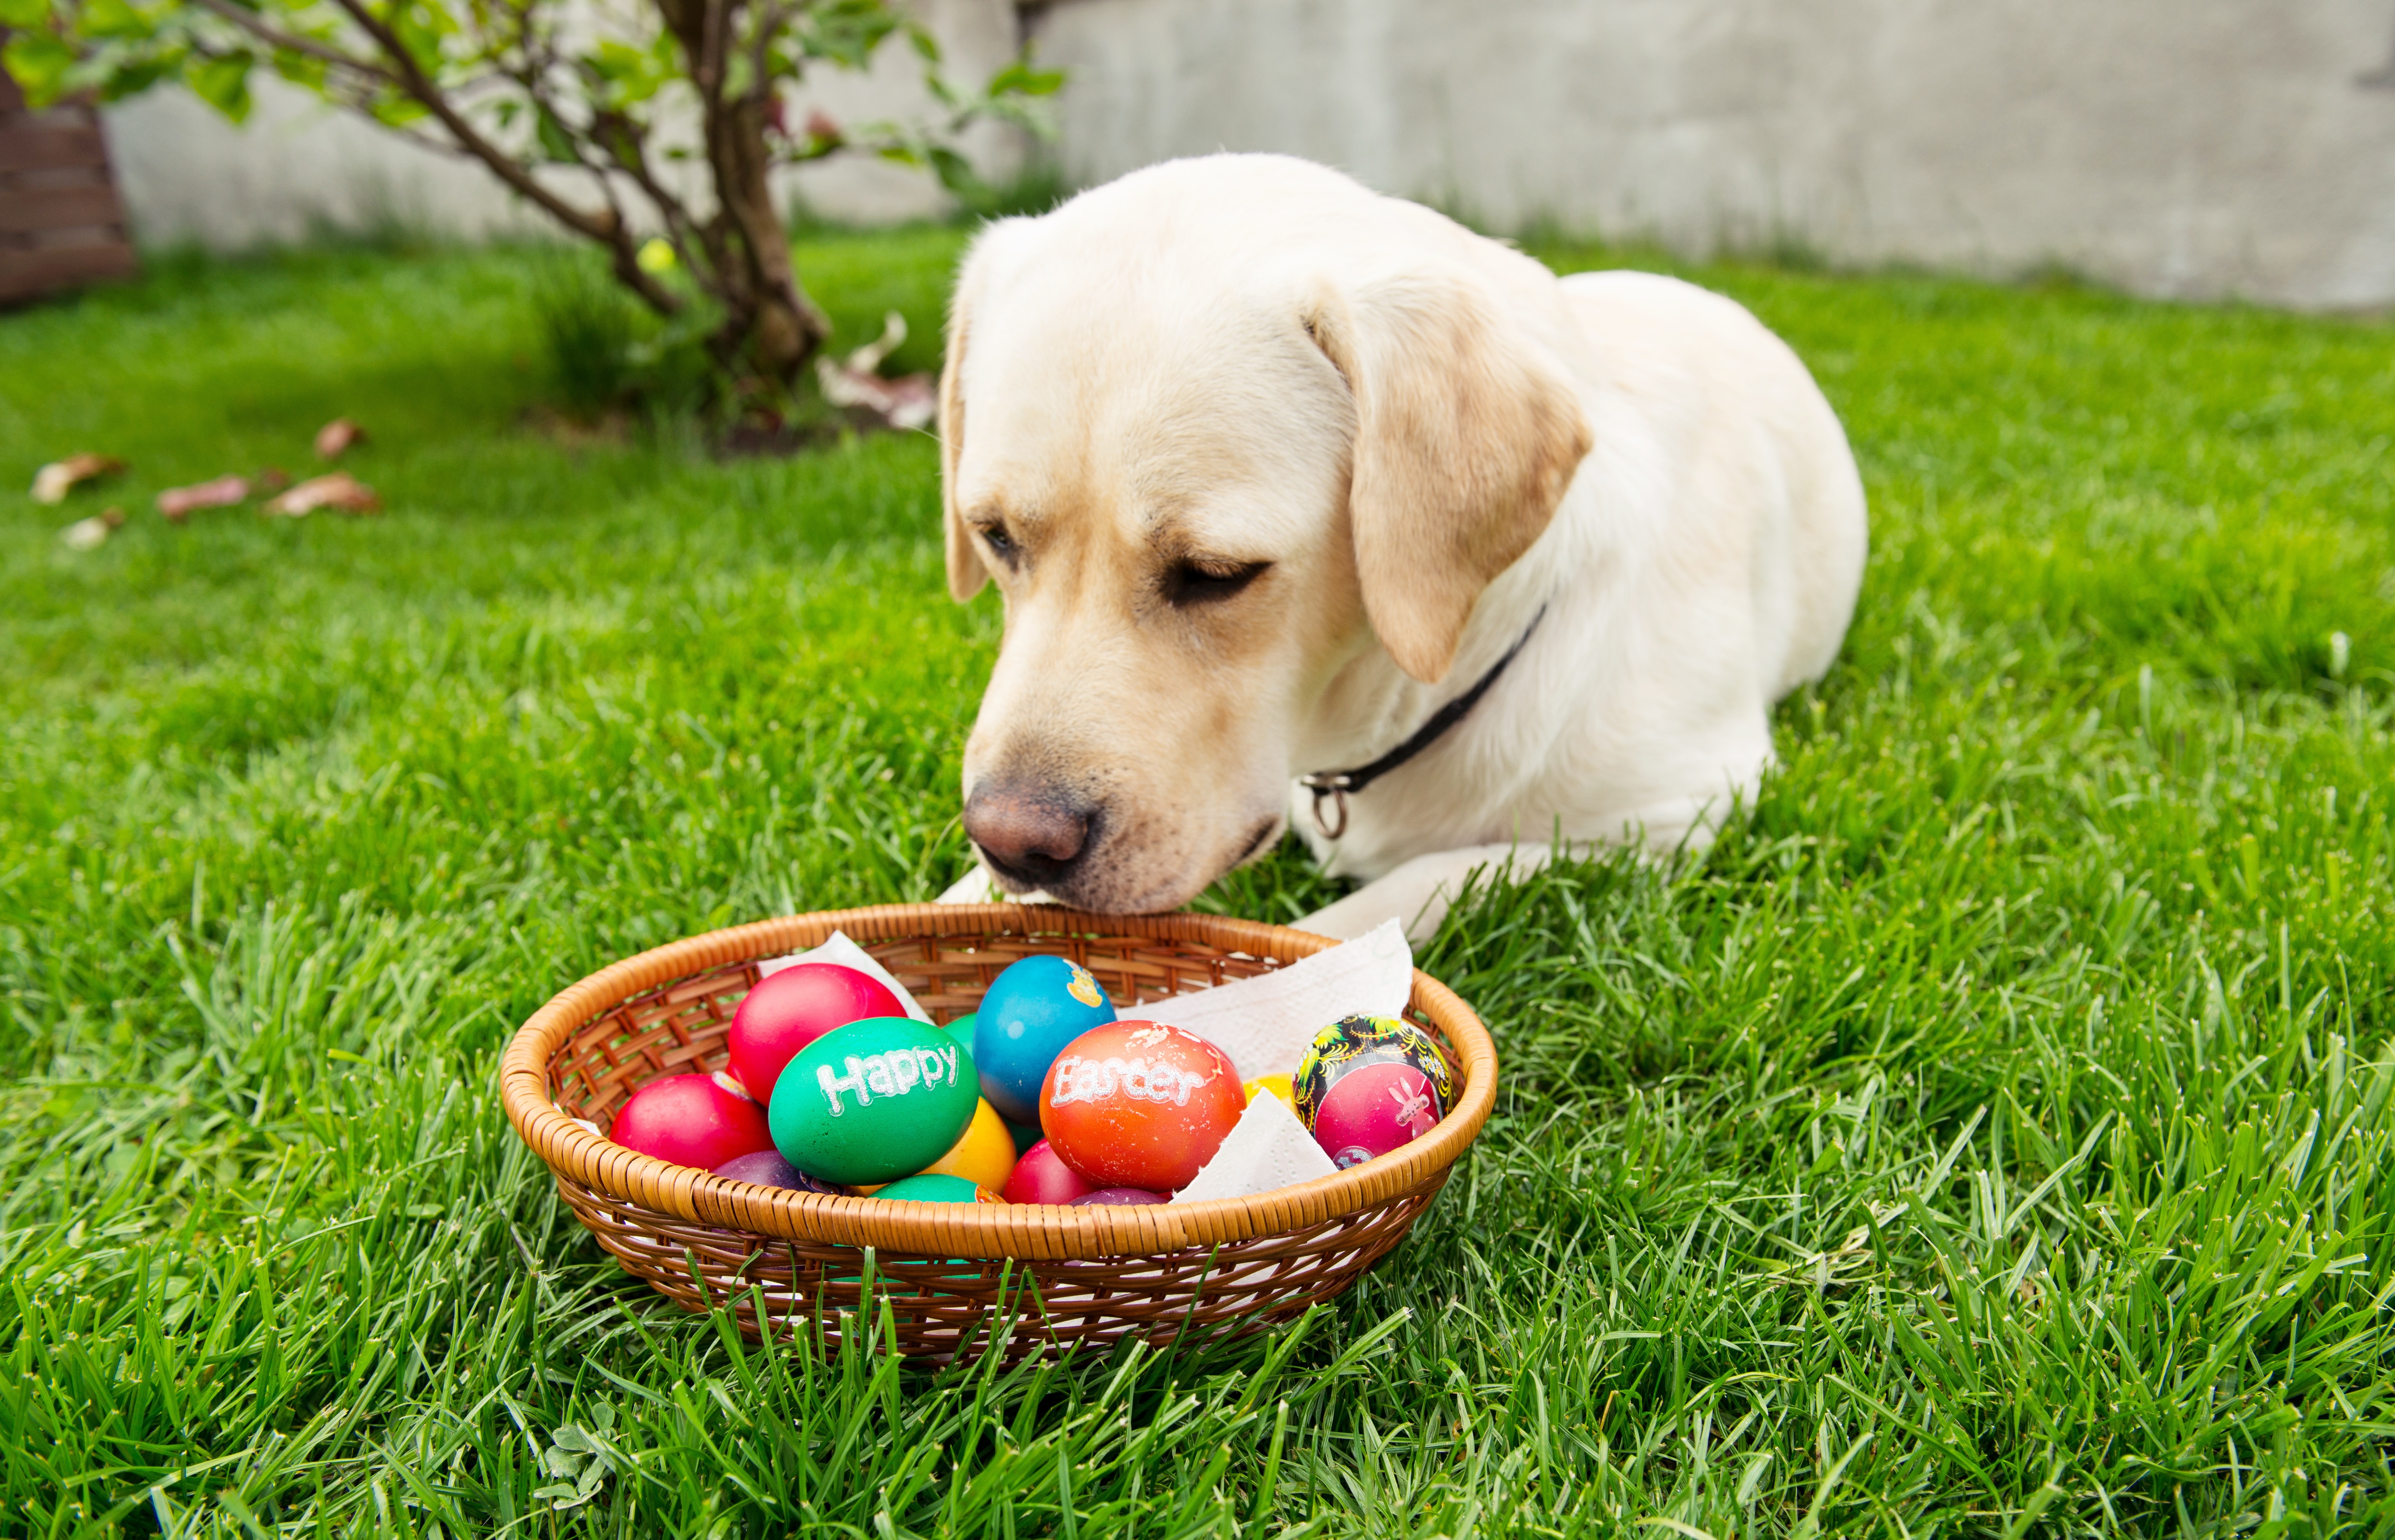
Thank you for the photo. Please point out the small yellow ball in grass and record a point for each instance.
(655, 256)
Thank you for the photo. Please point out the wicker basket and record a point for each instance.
(1028, 1277)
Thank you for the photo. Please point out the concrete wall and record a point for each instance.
(186, 173)
(2177, 147)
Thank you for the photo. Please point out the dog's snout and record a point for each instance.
(1030, 835)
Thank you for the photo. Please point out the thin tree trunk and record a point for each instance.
(782, 328)
(770, 326)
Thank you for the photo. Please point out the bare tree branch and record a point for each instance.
(250, 22)
(455, 75)
(609, 230)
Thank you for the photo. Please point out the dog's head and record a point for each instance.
(1215, 431)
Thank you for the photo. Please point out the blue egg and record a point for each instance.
(1036, 1007)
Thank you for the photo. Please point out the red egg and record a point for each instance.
(789, 1010)
(1041, 1176)
(692, 1120)
(1137, 1104)
(1374, 1109)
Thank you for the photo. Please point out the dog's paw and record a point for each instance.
(978, 887)
(1419, 893)
(975, 886)
(1418, 906)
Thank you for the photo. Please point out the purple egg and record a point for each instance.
(767, 1168)
(1117, 1196)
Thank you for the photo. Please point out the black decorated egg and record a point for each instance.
(1369, 1085)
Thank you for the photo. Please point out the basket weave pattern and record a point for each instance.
(1034, 1276)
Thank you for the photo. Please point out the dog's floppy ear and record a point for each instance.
(1467, 432)
(966, 574)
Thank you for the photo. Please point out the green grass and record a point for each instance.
(1991, 1137)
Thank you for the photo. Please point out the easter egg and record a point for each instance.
(1041, 1176)
(1369, 1085)
(767, 1168)
(1025, 1135)
(1117, 1197)
(938, 1187)
(789, 1010)
(1374, 1110)
(983, 1154)
(692, 1120)
(1279, 1085)
(961, 1029)
(873, 1100)
(1139, 1104)
(1030, 1012)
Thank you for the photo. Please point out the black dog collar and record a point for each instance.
(1336, 785)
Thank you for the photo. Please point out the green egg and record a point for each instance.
(961, 1029)
(873, 1100)
(933, 1188)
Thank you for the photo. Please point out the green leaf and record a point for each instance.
(221, 82)
(397, 111)
(555, 142)
(112, 19)
(615, 60)
(303, 70)
(25, 15)
(955, 172)
(133, 77)
(1019, 79)
(39, 62)
(627, 75)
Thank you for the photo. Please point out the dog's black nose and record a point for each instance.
(1029, 834)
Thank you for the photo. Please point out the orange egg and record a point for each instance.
(984, 1153)
(1138, 1104)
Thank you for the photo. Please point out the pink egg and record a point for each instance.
(692, 1120)
(1118, 1197)
(1374, 1109)
(1041, 1176)
(789, 1010)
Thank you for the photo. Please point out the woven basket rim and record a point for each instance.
(986, 1232)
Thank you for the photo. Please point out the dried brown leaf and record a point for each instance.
(53, 481)
(178, 503)
(335, 437)
(87, 533)
(338, 491)
(908, 402)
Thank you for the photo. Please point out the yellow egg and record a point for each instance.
(1279, 1085)
(984, 1154)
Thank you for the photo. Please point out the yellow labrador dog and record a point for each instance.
(1309, 505)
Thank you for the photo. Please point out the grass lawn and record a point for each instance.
(1992, 1137)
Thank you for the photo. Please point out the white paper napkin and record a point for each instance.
(1266, 1022)
(1267, 1148)
(840, 950)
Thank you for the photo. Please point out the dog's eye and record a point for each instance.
(1001, 545)
(1201, 582)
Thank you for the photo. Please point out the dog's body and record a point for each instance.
(1271, 467)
